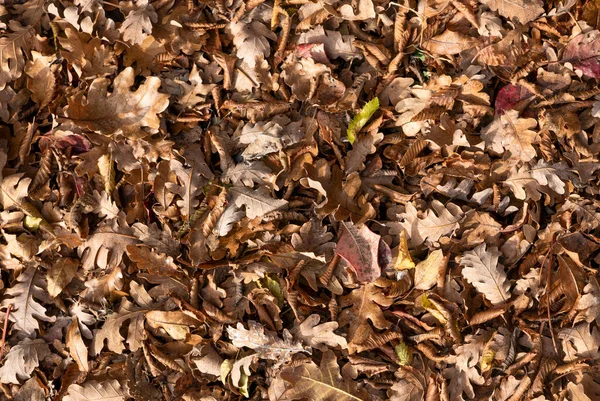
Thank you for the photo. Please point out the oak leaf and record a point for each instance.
(258, 202)
(511, 133)
(251, 41)
(177, 324)
(13, 48)
(319, 336)
(26, 310)
(266, 343)
(105, 248)
(122, 110)
(110, 330)
(439, 221)
(138, 23)
(583, 51)
(482, 270)
(449, 43)
(366, 302)
(22, 359)
(581, 341)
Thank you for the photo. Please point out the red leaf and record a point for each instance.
(510, 96)
(359, 246)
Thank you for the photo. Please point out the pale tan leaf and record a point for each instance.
(512, 133)
(581, 341)
(266, 344)
(13, 47)
(138, 23)
(258, 202)
(26, 311)
(107, 390)
(22, 359)
(482, 270)
(319, 336)
(449, 43)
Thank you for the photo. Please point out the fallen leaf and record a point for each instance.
(360, 246)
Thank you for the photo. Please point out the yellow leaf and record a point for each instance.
(403, 260)
(403, 353)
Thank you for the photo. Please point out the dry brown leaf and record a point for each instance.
(121, 110)
(322, 383)
(521, 11)
(366, 301)
(77, 347)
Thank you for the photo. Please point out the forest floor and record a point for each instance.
(299, 200)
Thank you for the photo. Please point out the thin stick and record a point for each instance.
(5, 329)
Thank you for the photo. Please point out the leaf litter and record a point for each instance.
(299, 200)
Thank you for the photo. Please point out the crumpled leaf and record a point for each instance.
(482, 270)
(121, 110)
(439, 221)
(583, 51)
(77, 347)
(266, 344)
(360, 247)
(22, 359)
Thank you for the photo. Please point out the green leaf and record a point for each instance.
(403, 353)
(32, 223)
(226, 367)
(361, 118)
(274, 288)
